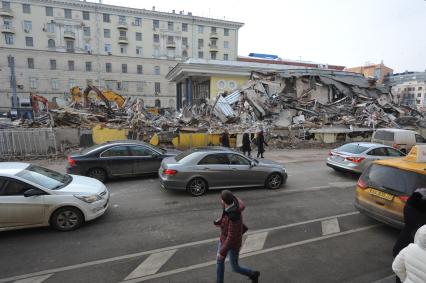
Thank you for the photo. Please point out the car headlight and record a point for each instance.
(88, 198)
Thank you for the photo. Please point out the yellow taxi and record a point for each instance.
(385, 186)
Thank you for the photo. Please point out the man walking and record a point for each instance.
(231, 225)
(224, 138)
(260, 142)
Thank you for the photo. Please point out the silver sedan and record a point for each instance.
(200, 169)
(355, 157)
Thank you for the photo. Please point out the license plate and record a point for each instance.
(379, 194)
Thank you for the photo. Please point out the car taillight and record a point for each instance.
(169, 172)
(71, 161)
(403, 198)
(355, 159)
(362, 184)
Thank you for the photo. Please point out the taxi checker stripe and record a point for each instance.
(128, 256)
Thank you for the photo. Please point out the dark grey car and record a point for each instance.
(200, 169)
(117, 159)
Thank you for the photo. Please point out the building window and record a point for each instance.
(26, 8)
(107, 33)
(30, 62)
(156, 38)
(213, 55)
(225, 57)
(124, 68)
(125, 86)
(419, 95)
(156, 52)
(107, 47)
(157, 70)
(200, 43)
(71, 83)
(70, 45)
(419, 88)
(119, 85)
(86, 15)
(106, 18)
(123, 49)
(50, 27)
(226, 44)
(138, 22)
(139, 50)
(108, 84)
(28, 26)
(184, 27)
(122, 20)
(52, 64)
(70, 65)
(156, 24)
(170, 39)
(123, 33)
(87, 47)
(33, 83)
(138, 36)
(200, 29)
(49, 11)
(213, 43)
(68, 13)
(55, 84)
(29, 41)
(51, 43)
(108, 67)
(5, 5)
(139, 86)
(86, 31)
(88, 66)
(170, 26)
(226, 32)
(213, 30)
(139, 69)
(184, 41)
(8, 38)
(157, 88)
(200, 54)
(184, 54)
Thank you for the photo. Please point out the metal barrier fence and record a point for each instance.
(21, 143)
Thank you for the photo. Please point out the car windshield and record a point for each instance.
(352, 148)
(45, 177)
(393, 179)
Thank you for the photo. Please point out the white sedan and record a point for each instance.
(32, 196)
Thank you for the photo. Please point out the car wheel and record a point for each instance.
(67, 219)
(197, 187)
(97, 173)
(274, 181)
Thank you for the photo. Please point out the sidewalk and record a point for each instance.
(296, 155)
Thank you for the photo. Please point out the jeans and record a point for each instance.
(233, 259)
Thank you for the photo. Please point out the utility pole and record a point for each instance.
(11, 62)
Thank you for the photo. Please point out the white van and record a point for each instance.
(400, 139)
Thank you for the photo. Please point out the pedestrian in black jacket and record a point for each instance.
(246, 144)
(224, 139)
(414, 218)
(260, 142)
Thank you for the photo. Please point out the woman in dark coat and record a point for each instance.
(224, 138)
(260, 142)
(414, 218)
(246, 144)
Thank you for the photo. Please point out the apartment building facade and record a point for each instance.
(58, 44)
(377, 71)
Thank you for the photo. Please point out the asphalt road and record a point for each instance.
(307, 231)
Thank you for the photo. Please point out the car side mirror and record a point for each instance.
(33, 192)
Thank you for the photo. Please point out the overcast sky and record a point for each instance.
(342, 32)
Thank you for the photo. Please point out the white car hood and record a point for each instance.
(83, 185)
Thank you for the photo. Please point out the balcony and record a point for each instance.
(70, 50)
(171, 44)
(69, 34)
(7, 29)
(123, 40)
(122, 25)
(214, 35)
(5, 12)
(213, 48)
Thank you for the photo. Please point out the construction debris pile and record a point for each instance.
(300, 100)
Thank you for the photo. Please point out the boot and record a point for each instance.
(255, 277)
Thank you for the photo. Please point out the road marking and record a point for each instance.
(151, 265)
(254, 242)
(37, 279)
(139, 254)
(277, 248)
(330, 226)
